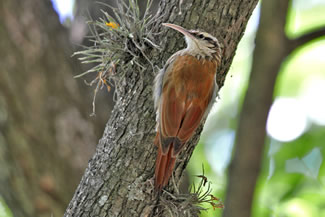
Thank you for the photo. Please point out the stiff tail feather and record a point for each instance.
(164, 167)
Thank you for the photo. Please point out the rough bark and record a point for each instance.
(45, 137)
(118, 180)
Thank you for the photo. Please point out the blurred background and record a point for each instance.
(292, 182)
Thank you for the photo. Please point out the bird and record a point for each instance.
(184, 92)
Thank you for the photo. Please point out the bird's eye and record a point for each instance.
(201, 36)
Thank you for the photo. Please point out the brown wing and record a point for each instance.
(172, 113)
(178, 123)
(172, 109)
(186, 93)
(190, 123)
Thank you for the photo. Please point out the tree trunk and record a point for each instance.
(45, 137)
(273, 47)
(119, 177)
(269, 53)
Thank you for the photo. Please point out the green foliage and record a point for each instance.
(296, 183)
(292, 181)
(308, 165)
(217, 182)
(4, 210)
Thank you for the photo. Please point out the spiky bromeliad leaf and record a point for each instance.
(119, 43)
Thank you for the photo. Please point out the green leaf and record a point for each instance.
(308, 165)
(313, 161)
(271, 168)
(4, 210)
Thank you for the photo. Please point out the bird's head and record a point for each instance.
(200, 44)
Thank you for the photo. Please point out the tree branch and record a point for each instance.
(42, 109)
(304, 39)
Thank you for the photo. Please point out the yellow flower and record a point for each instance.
(112, 25)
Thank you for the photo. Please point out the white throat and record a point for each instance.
(197, 49)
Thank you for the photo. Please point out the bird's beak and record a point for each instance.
(180, 29)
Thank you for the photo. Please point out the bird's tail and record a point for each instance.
(164, 167)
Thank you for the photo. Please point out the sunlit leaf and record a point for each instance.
(4, 210)
(295, 165)
(308, 165)
(313, 161)
(271, 168)
(275, 146)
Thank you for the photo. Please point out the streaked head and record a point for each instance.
(199, 43)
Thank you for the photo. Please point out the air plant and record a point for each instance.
(189, 204)
(119, 44)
